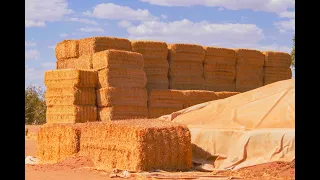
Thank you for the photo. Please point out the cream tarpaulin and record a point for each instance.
(243, 130)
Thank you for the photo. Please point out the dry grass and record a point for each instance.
(70, 78)
(70, 96)
(122, 96)
(67, 49)
(117, 59)
(151, 50)
(89, 46)
(83, 63)
(274, 74)
(147, 144)
(71, 114)
(122, 78)
(56, 142)
(120, 112)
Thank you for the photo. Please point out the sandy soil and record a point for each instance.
(82, 168)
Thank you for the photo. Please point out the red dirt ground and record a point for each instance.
(82, 168)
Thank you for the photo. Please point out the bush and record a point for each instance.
(35, 105)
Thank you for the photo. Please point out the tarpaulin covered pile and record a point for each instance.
(246, 129)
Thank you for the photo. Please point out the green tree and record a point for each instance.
(293, 58)
(35, 105)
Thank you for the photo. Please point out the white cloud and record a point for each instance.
(82, 20)
(31, 23)
(276, 6)
(287, 14)
(163, 16)
(63, 35)
(32, 54)
(92, 29)
(273, 47)
(220, 9)
(36, 75)
(37, 12)
(117, 12)
(203, 32)
(124, 24)
(286, 26)
(30, 44)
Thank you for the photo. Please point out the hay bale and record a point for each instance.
(120, 112)
(66, 63)
(219, 52)
(185, 69)
(89, 46)
(166, 99)
(187, 83)
(151, 50)
(121, 78)
(186, 48)
(67, 49)
(274, 74)
(155, 112)
(219, 71)
(70, 78)
(122, 96)
(83, 63)
(152, 62)
(249, 53)
(277, 59)
(218, 84)
(147, 144)
(56, 142)
(70, 96)
(117, 59)
(71, 114)
(156, 71)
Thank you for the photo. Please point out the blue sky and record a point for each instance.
(256, 24)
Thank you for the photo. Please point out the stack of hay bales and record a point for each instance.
(121, 92)
(276, 67)
(249, 69)
(70, 96)
(77, 54)
(220, 69)
(155, 63)
(186, 66)
(162, 102)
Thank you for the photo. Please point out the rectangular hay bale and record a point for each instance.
(70, 96)
(120, 112)
(70, 78)
(187, 83)
(151, 49)
(117, 59)
(277, 59)
(71, 114)
(83, 63)
(121, 78)
(67, 49)
(155, 112)
(146, 145)
(122, 96)
(166, 98)
(56, 142)
(89, 46)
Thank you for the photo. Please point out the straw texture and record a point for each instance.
(120, 112)
(67, 49)
(71, 114)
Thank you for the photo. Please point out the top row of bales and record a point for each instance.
(185, 66)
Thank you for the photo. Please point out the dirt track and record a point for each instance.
(82, 168)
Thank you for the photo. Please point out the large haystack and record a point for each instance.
(249, 69)
(186, 68)
(277, 67)
(220, 69)
(146, 145)
(155, 63)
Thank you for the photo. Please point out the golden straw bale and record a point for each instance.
(251, 53)
(71, 114)
(70, 78)
(186, 48)
(153, 62)
(67, 49)
(117, 59)
(185, 56)
(219, 71)
(155, 112)
(277, 59)
(120, 112)
(151, 49)
(70, 96)
(66, 63)
(188, 69)
(219, 52)
(250, 62)
(146, 145)
(122, 96)
(156, 71)
(217, 84)
(187, 83)
(83, 63)
(157, 85)
(89, 46)
(56, 142)
(122, 78)
(166, 98)
(274, 74)
(230, 61)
